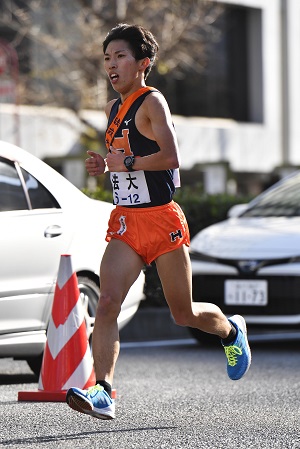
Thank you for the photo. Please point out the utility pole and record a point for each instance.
(9, 75)
(285, 100)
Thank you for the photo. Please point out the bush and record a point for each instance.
(99, 194)
(202, 210)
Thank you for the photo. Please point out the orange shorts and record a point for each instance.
(150, 231)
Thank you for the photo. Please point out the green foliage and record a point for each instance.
(201, 209)
(99, 194)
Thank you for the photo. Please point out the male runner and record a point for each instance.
(146, 224)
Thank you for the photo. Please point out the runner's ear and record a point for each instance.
(144, 63)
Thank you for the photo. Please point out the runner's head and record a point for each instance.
(141, 41)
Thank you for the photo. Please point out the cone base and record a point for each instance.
(48, 396)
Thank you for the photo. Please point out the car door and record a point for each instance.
(32, 238)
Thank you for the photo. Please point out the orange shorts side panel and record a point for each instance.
(150, 231)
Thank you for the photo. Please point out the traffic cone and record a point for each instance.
(67, 360)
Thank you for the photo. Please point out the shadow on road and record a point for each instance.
(82, 435)
(11, 379)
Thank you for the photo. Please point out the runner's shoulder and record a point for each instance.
(156, 101)
(108, 107)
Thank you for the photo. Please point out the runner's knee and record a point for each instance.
(108, 306)
(191, 318)
(181, 317)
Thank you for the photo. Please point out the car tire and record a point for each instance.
(35, 364)
(204, 338)
(89, 292)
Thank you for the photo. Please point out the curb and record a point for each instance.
(153, 323)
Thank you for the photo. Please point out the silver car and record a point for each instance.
(42, 216)
(250, 263)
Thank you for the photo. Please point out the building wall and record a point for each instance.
(269, 141)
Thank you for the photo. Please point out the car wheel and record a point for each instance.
(35, 364)
(204, 338)
(89, 293)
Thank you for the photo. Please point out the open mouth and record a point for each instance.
(113, 77)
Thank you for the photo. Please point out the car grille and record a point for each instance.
(283, 294)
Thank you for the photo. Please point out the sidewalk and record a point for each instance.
(153, 323)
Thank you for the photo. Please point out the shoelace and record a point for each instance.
(95, 388)
(232, 352)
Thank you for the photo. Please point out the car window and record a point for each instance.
(282, 201)
(40, 197)
(12, 195)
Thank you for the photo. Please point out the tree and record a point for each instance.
(64, 41)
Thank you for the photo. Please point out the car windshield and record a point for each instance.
(282, 201)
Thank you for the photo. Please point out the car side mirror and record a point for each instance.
(236, 210)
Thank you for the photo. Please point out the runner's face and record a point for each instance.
(123, 71)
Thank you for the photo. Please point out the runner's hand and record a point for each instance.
(95, 164)
(115, 161)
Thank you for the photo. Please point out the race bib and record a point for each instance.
(129, 188)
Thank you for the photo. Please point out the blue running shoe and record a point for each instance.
(95, 402)
(238, 353)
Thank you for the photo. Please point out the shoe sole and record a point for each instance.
(82, 406)
(241, 323)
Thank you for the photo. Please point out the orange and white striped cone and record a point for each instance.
(67, 360)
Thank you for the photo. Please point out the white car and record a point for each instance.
(250, 263)
(42, 216)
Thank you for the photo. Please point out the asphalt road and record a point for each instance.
(169, 397)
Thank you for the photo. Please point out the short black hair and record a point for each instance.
(141, 41)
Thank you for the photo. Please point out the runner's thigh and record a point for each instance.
(174, 269)
(119, 269)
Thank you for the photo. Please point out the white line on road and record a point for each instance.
(158, 343)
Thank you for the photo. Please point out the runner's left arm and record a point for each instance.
(157, 123)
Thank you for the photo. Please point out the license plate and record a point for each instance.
(246, 293)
